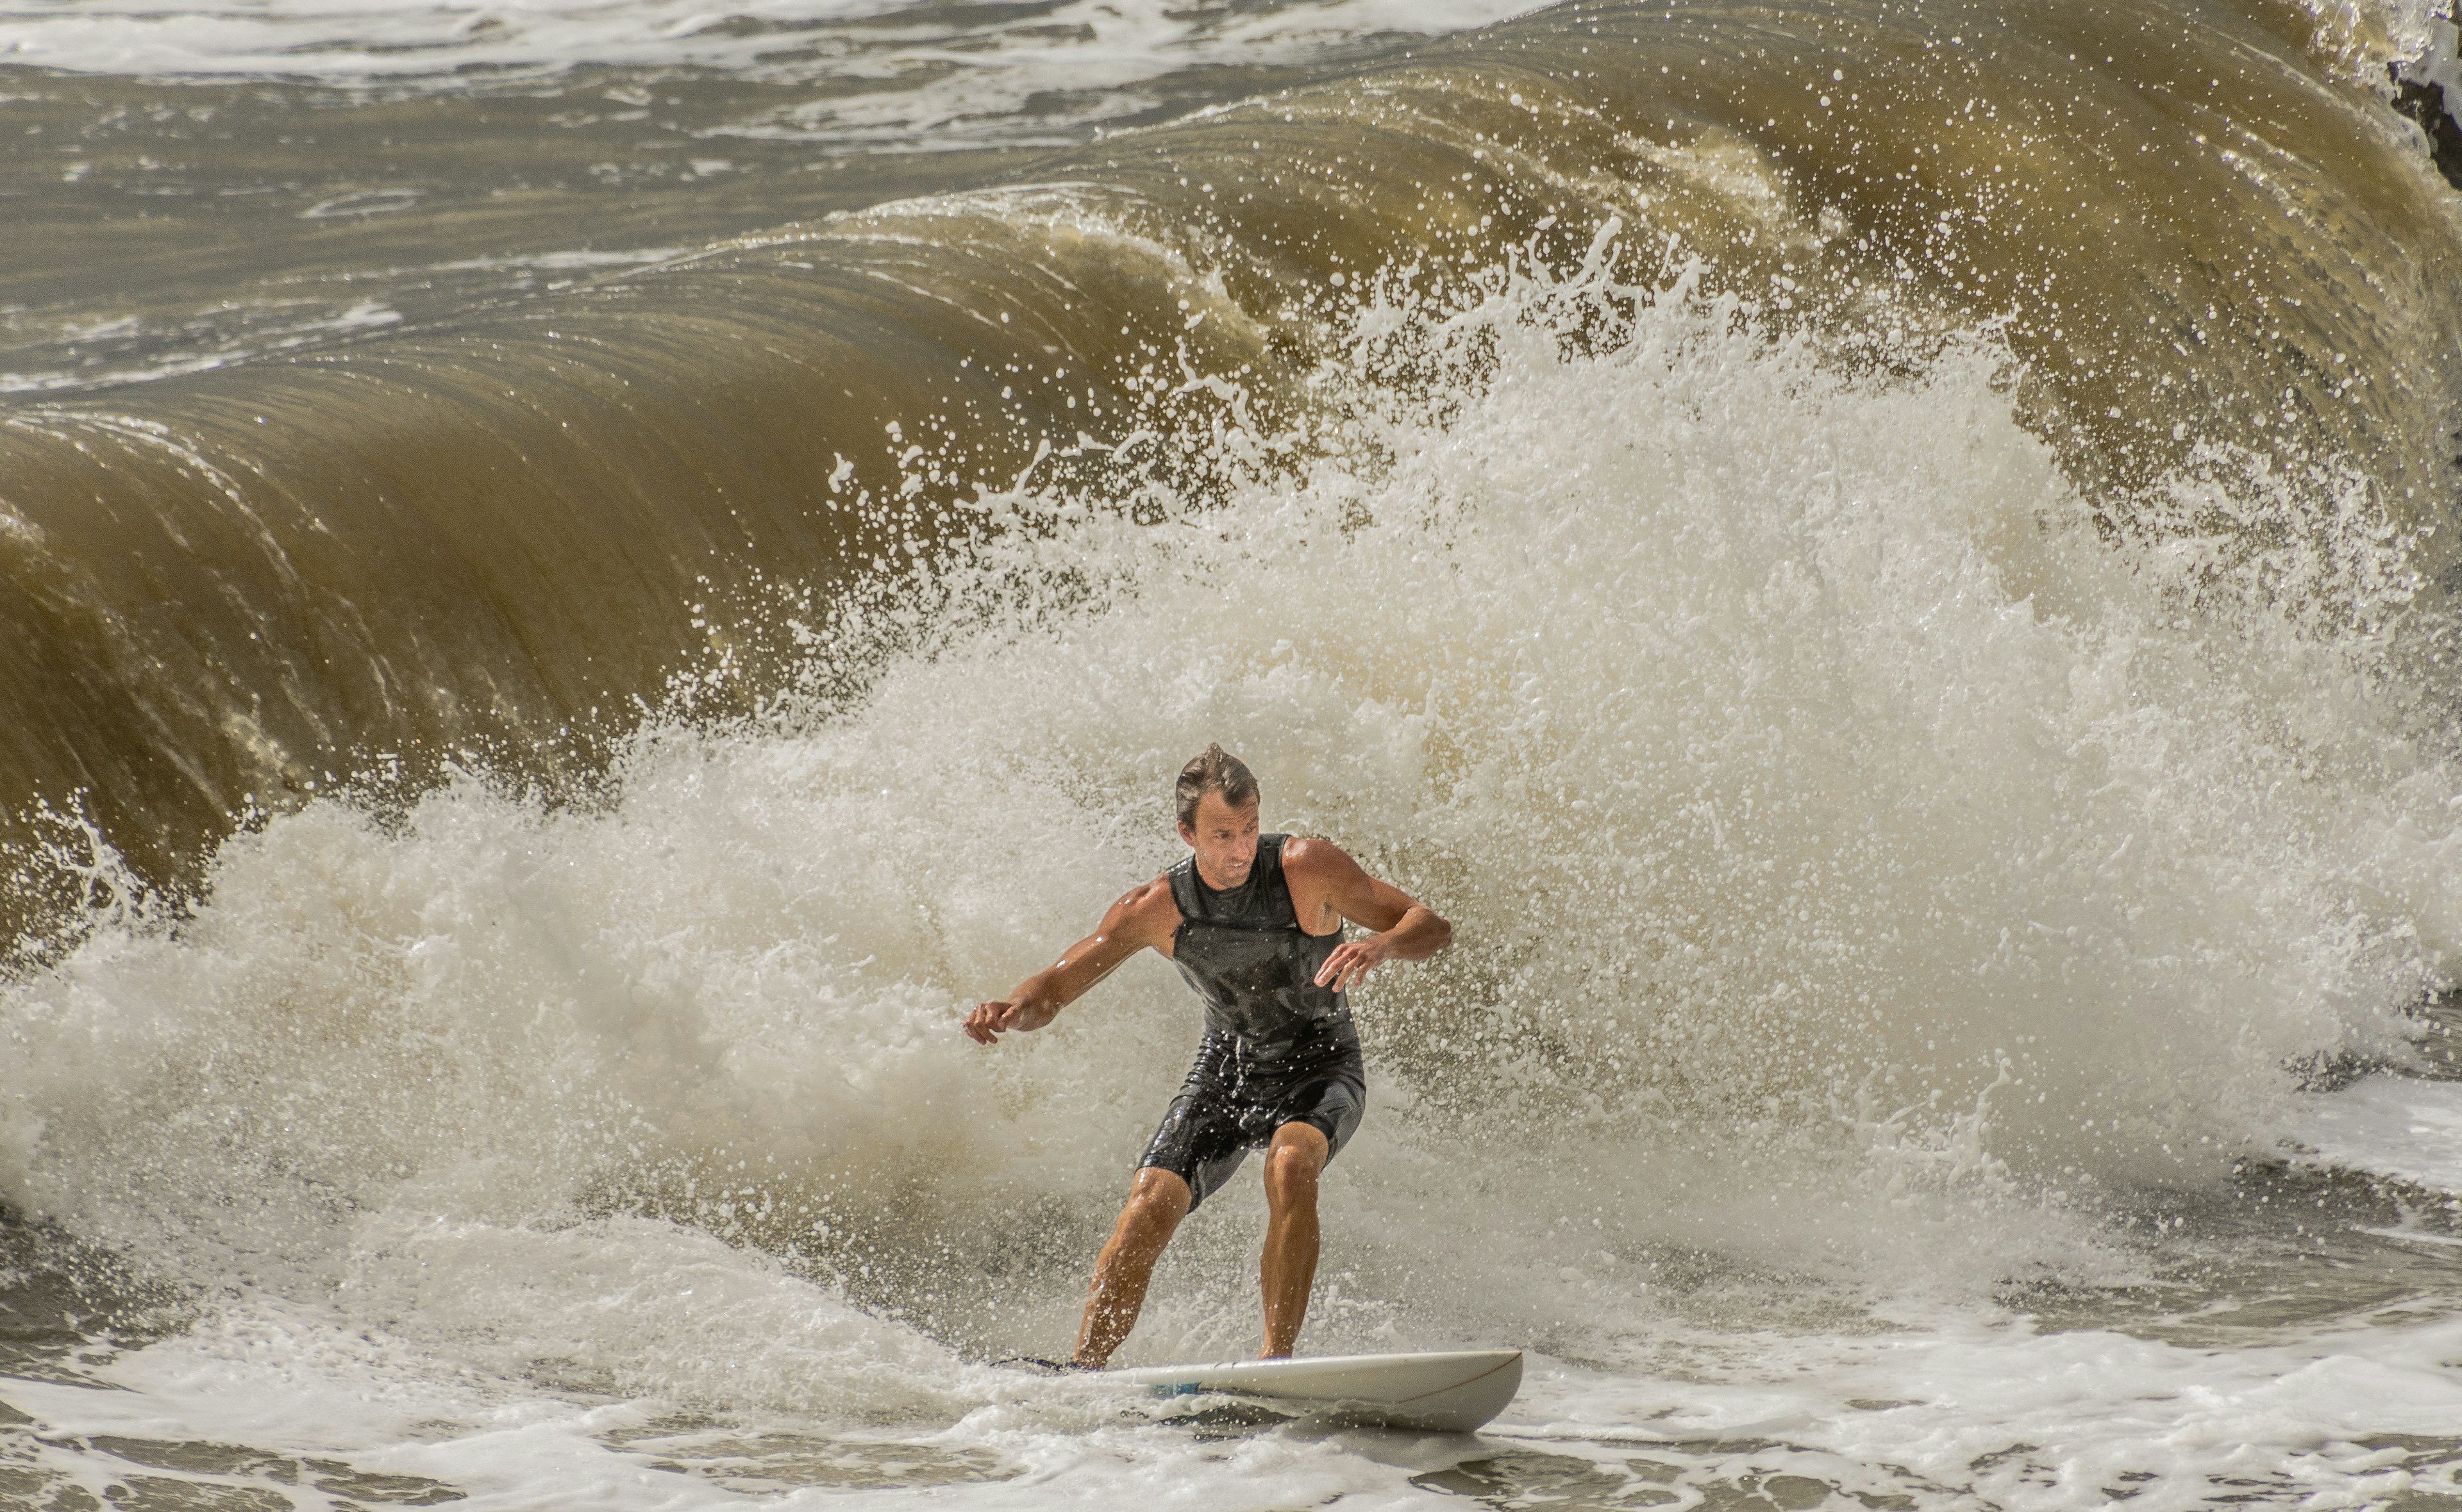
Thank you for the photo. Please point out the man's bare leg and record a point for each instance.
(1157, 1203)
(1287, 1268)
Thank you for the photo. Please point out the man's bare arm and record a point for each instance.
(1145, 917)
(1337, 887)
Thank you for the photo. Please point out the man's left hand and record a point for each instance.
(1351, 959)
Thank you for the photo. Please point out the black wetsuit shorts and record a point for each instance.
(1238, 1093)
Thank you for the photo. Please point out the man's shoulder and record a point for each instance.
(1150, 901)
(1315, 855)
(1145, 892)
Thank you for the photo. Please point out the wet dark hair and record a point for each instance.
(1218, 770)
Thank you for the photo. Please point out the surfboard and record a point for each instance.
(1449, 1392)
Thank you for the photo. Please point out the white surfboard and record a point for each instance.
(1452, 1393)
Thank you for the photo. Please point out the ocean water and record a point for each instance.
(1888, 567)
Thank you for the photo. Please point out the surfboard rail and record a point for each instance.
(1450, 1392)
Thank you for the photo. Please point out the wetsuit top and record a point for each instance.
(1244, 953)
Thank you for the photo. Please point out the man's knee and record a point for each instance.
(1158, 1198)
(1298, 1155)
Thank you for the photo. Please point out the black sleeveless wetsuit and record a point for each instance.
(1278, 1048)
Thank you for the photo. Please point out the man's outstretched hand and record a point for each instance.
(988, 1021)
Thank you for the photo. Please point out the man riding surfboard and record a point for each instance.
(1255, 924)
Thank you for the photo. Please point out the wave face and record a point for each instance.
(1883, 566)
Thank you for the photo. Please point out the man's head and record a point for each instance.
(1216, 797)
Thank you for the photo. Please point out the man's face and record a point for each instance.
(1224, 840)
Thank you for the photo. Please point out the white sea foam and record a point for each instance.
(262, 328)
(906, 72)
(1941, 1417)
(1860, 861)
(2393, 1126)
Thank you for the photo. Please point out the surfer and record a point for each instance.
(1255, 923)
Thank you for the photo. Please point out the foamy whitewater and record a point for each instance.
(1947, 1008)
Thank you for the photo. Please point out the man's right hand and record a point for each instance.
(988, 1021)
